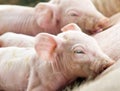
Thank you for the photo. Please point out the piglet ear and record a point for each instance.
(45, 45)
(71, 26)
(44, 14)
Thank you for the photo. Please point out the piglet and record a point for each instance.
(53, 62)
(107, 7)
(50, 17)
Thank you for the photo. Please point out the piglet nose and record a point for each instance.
(106, 65)
(99, 66)
(101, 24)
(93, 32)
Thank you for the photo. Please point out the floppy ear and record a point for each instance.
(71, 26)
(45, 45)
(44, 13)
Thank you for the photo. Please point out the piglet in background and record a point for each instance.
(53, 62)
(51, 16)
(107, 7)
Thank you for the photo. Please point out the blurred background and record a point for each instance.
(22, 2)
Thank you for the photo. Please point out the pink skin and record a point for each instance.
(52, 63)
(50, 17)
(108, 40)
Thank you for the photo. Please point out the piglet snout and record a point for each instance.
(99, 66)
(105, 65)
(103, 23)
(93, 32)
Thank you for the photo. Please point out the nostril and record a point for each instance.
(102, 65)
(106, 65)
(92, 32)
(102, 24)
(109, 63)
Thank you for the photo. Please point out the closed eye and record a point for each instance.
(79, 52)
(72, 12)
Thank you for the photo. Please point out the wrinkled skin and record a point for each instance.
(50, 17)
(107, 7)
(53, 62)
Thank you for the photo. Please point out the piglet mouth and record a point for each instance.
(99, 30)
(92, 32)
(100, 66)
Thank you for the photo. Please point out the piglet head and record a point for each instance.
(83, 14)
(53, 15)
(87, 57)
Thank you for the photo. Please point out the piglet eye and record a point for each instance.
(72, 13)
(79, 52)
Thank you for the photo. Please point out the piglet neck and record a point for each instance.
(63, 76)
(53, 76)
(60, 82)
(26, 23)
(30, 26)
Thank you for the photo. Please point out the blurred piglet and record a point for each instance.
(107, 7)
(50, 17)
(52, 63)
